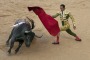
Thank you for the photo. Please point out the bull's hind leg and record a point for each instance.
(20, 44)
(11, 44)
(7, 42)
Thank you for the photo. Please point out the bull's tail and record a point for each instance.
(32, 22)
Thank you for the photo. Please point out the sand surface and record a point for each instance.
(42, 49)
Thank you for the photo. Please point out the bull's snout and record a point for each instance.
(27, 45)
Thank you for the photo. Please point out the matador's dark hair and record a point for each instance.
(62, 5)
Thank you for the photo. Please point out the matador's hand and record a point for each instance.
(74, 27)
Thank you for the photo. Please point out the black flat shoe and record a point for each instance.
(55, 43)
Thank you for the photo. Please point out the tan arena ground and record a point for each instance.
(42, 49)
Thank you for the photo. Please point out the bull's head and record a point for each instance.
(29, 37)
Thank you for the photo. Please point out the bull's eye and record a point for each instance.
(25, 33)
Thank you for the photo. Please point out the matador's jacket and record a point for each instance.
(64, 16)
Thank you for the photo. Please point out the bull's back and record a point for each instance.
(19, 31)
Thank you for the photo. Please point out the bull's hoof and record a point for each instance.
(16, 51)
(9, 51)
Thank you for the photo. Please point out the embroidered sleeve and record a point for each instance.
(56, 15)
(72, 18)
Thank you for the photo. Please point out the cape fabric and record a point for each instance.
(50, 23)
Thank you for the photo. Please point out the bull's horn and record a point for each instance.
(29, 19)
(32, 22)
(38, 36)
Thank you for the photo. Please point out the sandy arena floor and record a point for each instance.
(42, 49)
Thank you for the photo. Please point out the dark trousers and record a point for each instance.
(69, 30)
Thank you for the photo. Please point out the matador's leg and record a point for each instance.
(73, 34)
(63, 28)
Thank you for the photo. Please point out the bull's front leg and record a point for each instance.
(20, 44)
(32, 36)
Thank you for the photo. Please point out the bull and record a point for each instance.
(21, 32)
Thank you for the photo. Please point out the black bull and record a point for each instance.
(21, 32)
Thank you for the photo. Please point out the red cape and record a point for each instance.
(50, 23)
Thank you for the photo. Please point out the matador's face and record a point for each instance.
(62, 8)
